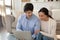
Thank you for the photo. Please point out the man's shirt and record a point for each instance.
(31, 24)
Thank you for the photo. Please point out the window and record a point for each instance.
(8, 2)
(1, 7)
(0, 10)
(5, 6)
(1, 2)
(8, 7)
(8, 11)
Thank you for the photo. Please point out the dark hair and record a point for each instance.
(28, 6)
(46, 11)
(1, 24)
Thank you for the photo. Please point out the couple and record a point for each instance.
(42, 28)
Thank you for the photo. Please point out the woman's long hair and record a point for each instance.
(46, 12)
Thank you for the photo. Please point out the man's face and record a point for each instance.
(28, 14)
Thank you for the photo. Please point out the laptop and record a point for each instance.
(26, 35)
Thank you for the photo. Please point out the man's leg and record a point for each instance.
(39, 37)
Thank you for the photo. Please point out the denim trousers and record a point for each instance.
(43, 37)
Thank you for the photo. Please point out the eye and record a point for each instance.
(40, 15)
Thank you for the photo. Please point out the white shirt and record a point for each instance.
(44, 26)
(48, 28)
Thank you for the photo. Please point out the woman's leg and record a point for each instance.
(47, 38)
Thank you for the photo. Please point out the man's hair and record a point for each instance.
(28, 7)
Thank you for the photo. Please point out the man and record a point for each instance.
(28, 21)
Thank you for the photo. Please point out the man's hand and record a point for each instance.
(37, 31)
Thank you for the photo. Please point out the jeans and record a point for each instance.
(43, 37)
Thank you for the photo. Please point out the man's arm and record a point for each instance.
(18, 26)
(36, 29)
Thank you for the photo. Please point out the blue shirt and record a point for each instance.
(31, 24)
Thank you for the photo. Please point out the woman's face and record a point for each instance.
(42, 16)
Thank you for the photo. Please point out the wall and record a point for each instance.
(49, 5)
(37, 6)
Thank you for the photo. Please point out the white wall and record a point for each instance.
(56, 14)
(49, 5)
(37, 6)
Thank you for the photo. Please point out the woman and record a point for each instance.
(48, 25)
(4, 35)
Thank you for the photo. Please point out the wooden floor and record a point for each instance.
(58, 29)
